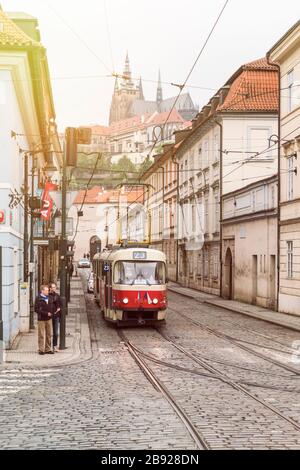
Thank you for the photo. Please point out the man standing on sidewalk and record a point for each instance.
(56, 309)
(44, 308)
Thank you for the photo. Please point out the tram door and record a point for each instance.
(108, 284)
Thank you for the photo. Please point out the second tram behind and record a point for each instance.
(130, 285)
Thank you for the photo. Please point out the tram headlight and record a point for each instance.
(125, 300)
(155, 301)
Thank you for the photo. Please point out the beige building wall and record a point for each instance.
(249, 249)
(243, 136)
(286, 54)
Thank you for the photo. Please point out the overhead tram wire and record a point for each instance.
(108, 34)
(263, 151)
(191, 70)
(78, 36)
(85, 194)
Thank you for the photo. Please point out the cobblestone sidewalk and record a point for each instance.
(277, 318)
(24, 349)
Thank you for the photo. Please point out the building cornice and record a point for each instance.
(285, 44)
(270, 179)
(247, 217)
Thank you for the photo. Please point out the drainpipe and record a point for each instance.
(221, 204)
(177, 216)
(163, 210)
(279, 178)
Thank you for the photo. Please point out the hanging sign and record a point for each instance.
(2, 217)
(47, 202)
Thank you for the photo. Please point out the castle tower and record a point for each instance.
(141, 96)
(125, 92)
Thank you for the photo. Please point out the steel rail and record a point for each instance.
(156, 382)
(237, 343)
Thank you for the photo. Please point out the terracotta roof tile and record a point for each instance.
(11, 35)
(98, 195)
(255, 88)
(100, 130)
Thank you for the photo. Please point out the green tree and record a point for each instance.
(125, 164)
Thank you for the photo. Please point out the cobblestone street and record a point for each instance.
(231, 375)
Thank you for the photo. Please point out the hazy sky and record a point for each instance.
(157, 33)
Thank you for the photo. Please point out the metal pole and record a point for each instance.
(26, 204)
(221, 207)
(63, 263)
(31, 317)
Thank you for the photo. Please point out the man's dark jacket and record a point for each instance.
(56, 303)
(42, 308)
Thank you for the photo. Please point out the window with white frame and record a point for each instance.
(200, 157)
(199, 265)
(205, 154)
(290, 79)
(206, 228)
(217, 214)
(290, 258)
(205, 264)
(216, 265)
(290, 182)
(193, 218)
(216, 147)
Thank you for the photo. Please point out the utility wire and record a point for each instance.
(108, 34)
(263, 151)
(85, 194)
(191, 70)
(78, 36)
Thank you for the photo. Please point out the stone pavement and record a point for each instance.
(78, 347)
(277, 318)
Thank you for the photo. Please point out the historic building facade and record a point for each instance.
(27, 122)
(226, 149)
(286, 53)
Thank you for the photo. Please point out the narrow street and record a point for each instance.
(230, 376)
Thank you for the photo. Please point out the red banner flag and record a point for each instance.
(47, 201)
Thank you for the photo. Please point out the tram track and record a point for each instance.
(159, 386)
(212, 372)
(243, 327)
(237, 343)
(227, 380)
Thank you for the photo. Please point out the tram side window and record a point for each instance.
(141, 273)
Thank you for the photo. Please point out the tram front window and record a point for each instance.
(142, 273)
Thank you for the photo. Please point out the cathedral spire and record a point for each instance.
(159, 94)
(116, 85)
(127, 73)
(141, 95)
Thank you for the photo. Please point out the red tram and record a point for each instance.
(130, 285)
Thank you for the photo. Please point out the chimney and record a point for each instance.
(223, 92)
(206, 110)
(214, 102)
(180, 135)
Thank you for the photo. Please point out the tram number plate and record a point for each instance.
(139, 255)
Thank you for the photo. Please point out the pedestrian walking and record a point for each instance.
(71, 268)
(56, 313)
(44, 308)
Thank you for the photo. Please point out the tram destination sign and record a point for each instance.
(139, 255)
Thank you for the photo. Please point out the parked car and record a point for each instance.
(90, 283)
(84, 263)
